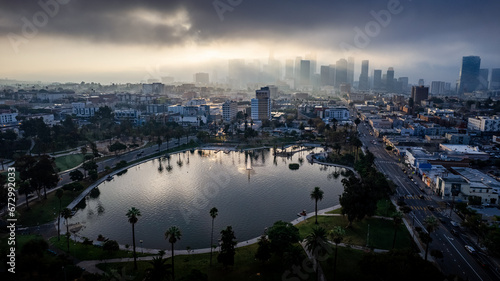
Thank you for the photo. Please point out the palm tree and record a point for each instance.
(213, 213)
(430, 224)
(66, 214)
(336, 235)
(173, 234)
(59, 195)
(397, 219)
(133, 215)
(158, 271)
(316, 194)
(317, 243)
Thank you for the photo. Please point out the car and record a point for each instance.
(454, 232)
(470, 249)
(430, 208)
(454, 223)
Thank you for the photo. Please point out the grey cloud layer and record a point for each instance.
(420, 22)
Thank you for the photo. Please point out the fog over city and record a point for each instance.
(131, 41)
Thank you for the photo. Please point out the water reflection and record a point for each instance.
(250, 193)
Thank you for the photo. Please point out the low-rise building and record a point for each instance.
(484, 123)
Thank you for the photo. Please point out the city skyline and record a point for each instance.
(130, 41)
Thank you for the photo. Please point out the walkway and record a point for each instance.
(90, 265)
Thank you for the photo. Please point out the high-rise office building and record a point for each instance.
(229, 110)
(377, 79)
(350, 70)
(469, 74)
(404, 84)
(332, 75)
(419, 94)
(325, 75)
(305, 72)
(311, 57)
(289, 69)
(201, 78)
(389, 83)
(297, 70)
(421, 82)
(484, 74)
(437, 87)
(261, 104)
(340, 72)
(363, 77)
(495, 79)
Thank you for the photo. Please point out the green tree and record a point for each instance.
(89, 166)
(282, 235)
(397, 219)
(59, 195)
(44, 175)
(110, 246)
(159, 270)
(264, 251)
(66, 214)
(358, 200)
(172, 235)
(431, 224)
(117, 146)
(227, 250)
(213, 213)
(317, 244)
(357, 121)
(336, 235)
(133, 215)
(316, 195)
(76, 175)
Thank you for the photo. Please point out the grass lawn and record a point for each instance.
(381, 231)
(245, 267)
(44, 211)
(336, 211)
(69, 161)
(89, 252)
(20, 241)
(347, 265)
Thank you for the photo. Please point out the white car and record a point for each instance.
(470, 249)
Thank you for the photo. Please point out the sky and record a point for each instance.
(120, 41)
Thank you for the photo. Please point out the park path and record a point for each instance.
(90, 265)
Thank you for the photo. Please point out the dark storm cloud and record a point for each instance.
(327, 23)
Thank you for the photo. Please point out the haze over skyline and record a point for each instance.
(129, 41)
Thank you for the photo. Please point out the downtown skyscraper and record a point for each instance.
(363, 77)
(469, 75)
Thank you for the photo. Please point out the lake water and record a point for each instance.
(250, 190)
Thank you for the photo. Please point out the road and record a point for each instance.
(457, 260)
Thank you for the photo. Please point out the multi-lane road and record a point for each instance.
(448, 238)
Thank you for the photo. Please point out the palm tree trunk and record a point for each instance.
(316, 211)
(59, 223)
(211, 242)
(67, 233)
(394, 239)
(133, 243)
(335, 261)
(173, 270)
(426, 250)
(27, 201)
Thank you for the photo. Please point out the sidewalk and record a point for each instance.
(90, 265)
